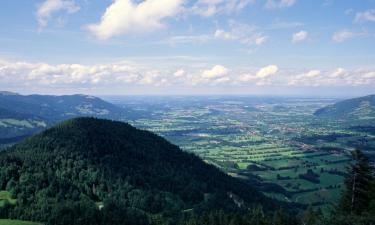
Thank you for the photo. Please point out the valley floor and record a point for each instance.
(295, 156)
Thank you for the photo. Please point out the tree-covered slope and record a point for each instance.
(23, 115)
(55, 108)
(356, 108)
(93, 170)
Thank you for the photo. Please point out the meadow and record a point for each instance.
(6, 197)
(17, 222)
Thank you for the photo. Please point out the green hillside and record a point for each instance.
(23, 115)
(356, 108)
(52, 108)
(90, 170)
(17, 222)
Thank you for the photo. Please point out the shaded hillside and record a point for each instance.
(22, 115)
(91, 170)
(54, 108)
(356, 108)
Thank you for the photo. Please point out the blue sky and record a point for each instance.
(272, 47)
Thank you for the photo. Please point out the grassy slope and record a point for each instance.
(6, 197)
(17, 222)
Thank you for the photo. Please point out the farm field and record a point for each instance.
(275, 143)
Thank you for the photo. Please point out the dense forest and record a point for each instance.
(89, 171)
(92, 171)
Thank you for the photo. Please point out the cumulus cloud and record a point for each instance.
(336, 77)
(312, 73)
(267, 71)
(67, 74)
(222, 80)
(217, 75)
(207, 8)
(277, 4)
(49, 7)
(308, 78)
(106, 75)
(339, 72)
(150, 77)
(215, 72)
(366, 16)
(300, 36)
(127, 74)
(369, 75)
(128, 17)
(343, 35)
(261, 75)
(245, 34)
(180, 73)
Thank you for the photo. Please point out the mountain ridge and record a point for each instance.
(355, 108)
(23, 115)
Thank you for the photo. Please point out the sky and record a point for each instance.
(188, 47)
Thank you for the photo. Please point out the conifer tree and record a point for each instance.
(357, 194)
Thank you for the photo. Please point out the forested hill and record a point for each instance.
(54, 108)
(356, 108)
(98, 171)
(23, 115)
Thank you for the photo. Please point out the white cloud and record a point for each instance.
(215, 72)
(308, 78)
(344, 35)
(279, 24)
(222, 80)
(47, 8)
(180, 73)
(369, 75)
(300, 36)
(338, 77)
(277, 4)
(245, 34)
(208, 8)
(261, 75)
(259, 39)
(366, 16)
(246, 77)
(187, 39)
(267, 71)
(339, 72)
(122, 75)
(312, 73)
(219, 33)
(67, 74)
(128, 17)
(151, 77)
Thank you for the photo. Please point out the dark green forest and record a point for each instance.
(93, 171)
(101, 172)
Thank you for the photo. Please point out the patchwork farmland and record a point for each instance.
(276, 143)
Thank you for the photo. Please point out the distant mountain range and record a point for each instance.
(356, 108)
(22, 115)
(96, 170)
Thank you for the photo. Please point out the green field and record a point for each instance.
(246, 137)
(17, 222)
(6, 197)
